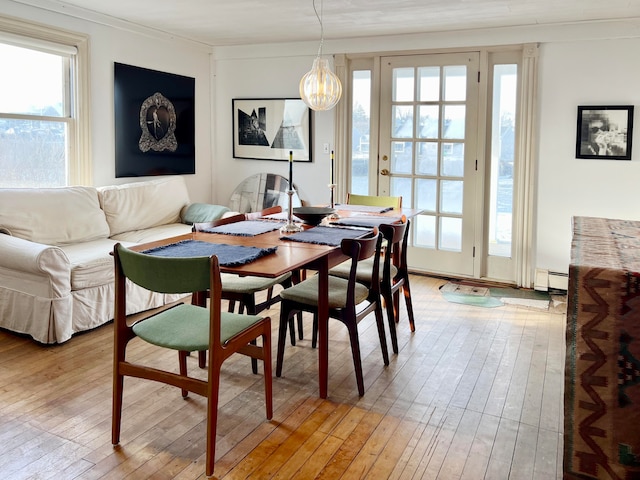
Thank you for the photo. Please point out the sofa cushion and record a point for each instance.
(53, 216)
(153, 234)
(202, 212)
(141, 205)
(91, 263)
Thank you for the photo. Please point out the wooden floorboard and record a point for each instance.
(474, 393)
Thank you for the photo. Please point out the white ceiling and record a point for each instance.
(242, 22)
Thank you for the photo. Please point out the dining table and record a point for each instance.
(291, 255)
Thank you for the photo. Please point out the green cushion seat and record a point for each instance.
(363, 272)
(186, 327)
(307, 292)
(233, 283)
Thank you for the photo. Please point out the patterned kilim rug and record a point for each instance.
(602, 368)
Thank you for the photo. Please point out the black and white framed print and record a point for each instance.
(270, 128)
(605, 132)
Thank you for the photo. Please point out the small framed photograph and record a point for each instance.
(270, 128)
(605, 132)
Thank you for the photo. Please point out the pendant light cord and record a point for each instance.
(319, 17)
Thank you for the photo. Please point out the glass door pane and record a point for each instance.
(502, 159)
(360, 131)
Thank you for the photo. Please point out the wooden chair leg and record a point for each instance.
(382, 336)
(314, 334)
(182, 361)
(355, 353)
(268, 375)
(396, 305)
(406, 290)
(202, 359)
(391, 319)
(282, 336)
(116, 414)
(300, 326)
(296, 278)
(212, 416)
(254, 361)
(249, 302)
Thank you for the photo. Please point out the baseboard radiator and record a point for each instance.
(546, 280)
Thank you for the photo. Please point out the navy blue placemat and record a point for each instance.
(365, 221)
(247, 228)
(325, 235)
(228, 255)
(362, 208)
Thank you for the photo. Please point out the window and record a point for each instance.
(43, 141)
(360, 131)
(502, 150)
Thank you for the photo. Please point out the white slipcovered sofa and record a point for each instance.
(56, 271)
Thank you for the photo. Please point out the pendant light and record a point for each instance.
(320, 88)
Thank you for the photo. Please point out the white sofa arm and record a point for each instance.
(22, 255)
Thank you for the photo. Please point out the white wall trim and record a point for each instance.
(527, 142)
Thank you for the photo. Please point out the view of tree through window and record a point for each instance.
(34, 117)
(360, 132)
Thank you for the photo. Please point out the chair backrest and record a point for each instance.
(396, 235)
(360, 249)
(165, 275)
(374, 200)
(198, 227)
(263, 213)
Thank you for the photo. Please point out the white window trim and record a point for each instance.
(48, 38)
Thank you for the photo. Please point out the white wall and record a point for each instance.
(595, 63)
(267, 78)
(597, 72)
(109, 44)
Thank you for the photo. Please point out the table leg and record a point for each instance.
(323, 326)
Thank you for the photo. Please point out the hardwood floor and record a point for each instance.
(474, 393)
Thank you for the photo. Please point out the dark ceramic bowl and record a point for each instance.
(312, 215)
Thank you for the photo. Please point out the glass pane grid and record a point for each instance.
(428, 135)
(33, 153)
(36, 82)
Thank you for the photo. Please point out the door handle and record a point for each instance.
(384, 172)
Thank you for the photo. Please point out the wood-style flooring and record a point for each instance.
(474, 393)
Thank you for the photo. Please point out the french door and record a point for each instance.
(428, 150)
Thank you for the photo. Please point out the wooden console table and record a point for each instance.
(602, 370)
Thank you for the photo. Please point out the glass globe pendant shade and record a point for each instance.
(320, 88)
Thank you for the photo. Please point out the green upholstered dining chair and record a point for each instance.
(374, 200)
(244, 289)
(184, 328)
(394, 275)
(349, 302)
(367, 200)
